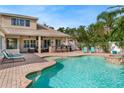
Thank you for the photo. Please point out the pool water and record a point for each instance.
(79, 72)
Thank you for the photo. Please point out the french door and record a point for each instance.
(46, 43)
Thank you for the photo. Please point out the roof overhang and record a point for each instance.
(18, 15)
(33, 32)
(2, 34)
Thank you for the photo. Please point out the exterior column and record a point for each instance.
(66, 40)
(39, 44)
(21, 44)
(3, 41)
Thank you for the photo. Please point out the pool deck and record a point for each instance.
(74, 53)
(12, 74)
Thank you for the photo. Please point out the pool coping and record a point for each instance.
(26, 82)
(36, 72)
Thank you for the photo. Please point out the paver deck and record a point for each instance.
(12, 75)
(74, 53)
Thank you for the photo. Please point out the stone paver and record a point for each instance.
(12, 75)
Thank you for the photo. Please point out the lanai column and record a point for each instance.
(39, 44)
(66, 40)
(2, 41)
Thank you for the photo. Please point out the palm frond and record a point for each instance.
(117, 6)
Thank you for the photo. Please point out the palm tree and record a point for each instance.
(107, 18)
(97, 36)
(118, 30)
(116, 22)
(118, 10)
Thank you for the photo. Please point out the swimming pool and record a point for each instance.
(79, 72)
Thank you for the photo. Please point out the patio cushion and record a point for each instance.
(11, 56)
(92, 49)
(84, 49)
(15, 56)
(114, 52)
(1, 55)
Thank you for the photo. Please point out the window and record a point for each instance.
(27, 23)
(17, 22)
(11, 43)
(58, 43)
(13, 21)
(29, 43)
(33, 43)
(26, 44)
(20, 22)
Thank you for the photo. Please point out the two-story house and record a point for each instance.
(19, 33)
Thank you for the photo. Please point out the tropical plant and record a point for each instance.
(114, 19)
(108, 28)
(98, 36)
(118, 10)
(107, 18)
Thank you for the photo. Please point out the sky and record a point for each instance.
(58, 15)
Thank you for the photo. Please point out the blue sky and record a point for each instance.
(59, 15)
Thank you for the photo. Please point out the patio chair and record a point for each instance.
(84, 50)
(92, 49)
(8, 56)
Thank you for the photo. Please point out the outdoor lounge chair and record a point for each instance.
(8, 56)
(92, 49)
(84, 50)
(114, 52)
(12, 54)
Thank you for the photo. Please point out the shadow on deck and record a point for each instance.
(30, 58)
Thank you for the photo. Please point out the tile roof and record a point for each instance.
(18, 15)
(33, 32)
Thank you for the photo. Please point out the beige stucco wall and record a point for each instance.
(0, 20)
(5, 21)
